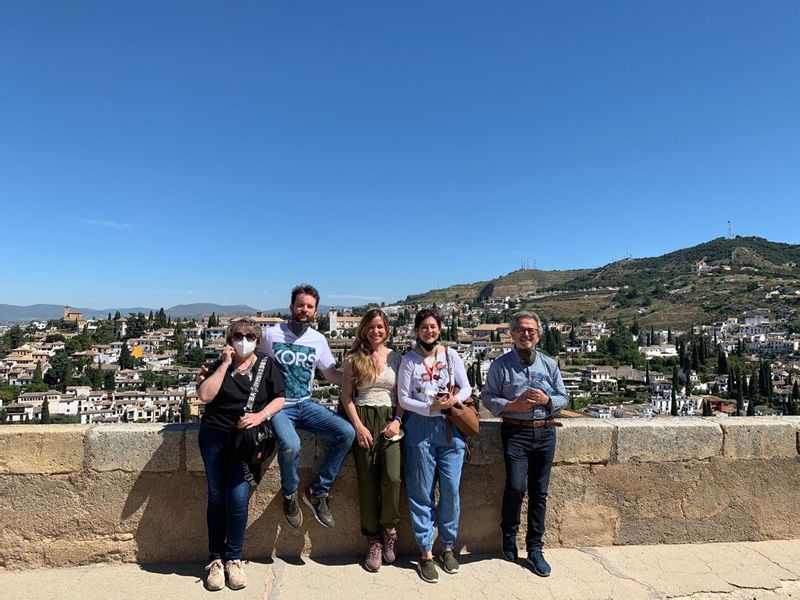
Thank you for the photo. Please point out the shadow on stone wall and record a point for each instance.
(166, 505)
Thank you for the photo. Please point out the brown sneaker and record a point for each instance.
(236, 577)
(389, 544)
(215, 580)
(373, 560)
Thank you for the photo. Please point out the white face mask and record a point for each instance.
(244, 348)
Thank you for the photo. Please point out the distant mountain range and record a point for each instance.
(42, 312)
(10, 313)
(700, 284)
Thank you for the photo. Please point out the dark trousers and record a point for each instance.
(228, 495)
(528, 455)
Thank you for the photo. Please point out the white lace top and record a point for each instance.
(382, 391)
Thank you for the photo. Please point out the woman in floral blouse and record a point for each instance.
(432, 379)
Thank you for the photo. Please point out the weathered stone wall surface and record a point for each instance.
(81, 494)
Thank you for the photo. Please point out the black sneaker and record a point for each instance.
(291, 510)
(448, 561)
(320, 506)
(427, 570)
(508, 545)
(537, 562)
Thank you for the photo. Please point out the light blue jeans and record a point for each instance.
(427, 450)
(310, 416)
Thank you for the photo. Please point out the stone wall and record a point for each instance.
(73, 494)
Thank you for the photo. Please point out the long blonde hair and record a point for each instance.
(365, 370)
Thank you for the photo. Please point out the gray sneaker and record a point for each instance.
(427, 570)
(320, 506)
(448, 561)
(291, 510)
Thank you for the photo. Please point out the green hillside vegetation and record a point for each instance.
(659, 291)
(522, 281)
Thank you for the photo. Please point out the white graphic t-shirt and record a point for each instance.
(297, 358)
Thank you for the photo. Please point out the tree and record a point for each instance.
(196, 357)
(471, 375)
(137, 325)
(791, 408)
(2, 415)
(125, 358)
(161, 319)
(722, 361)
(16, 336)
(45, 412)
(673, 405)
(478, 376)
(739, 396)
(695, 357)
(37, 374)
(109, 384)
(186, 410)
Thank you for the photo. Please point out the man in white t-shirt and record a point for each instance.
(299, 350)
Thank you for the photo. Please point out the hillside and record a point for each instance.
(744, 274)
(522, 281)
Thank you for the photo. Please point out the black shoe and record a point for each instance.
(508, 544)
(538, 563)
(427, 570)
(291, 510)
(448, 562)
(320, 506)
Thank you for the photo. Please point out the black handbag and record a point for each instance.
(257, 444)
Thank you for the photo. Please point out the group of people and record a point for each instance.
(385, 398)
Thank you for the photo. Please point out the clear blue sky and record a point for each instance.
(159, 153)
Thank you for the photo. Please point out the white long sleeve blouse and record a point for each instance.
(420, 379)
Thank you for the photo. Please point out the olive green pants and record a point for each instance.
(378, 470)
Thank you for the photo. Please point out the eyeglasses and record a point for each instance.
(239, 336)
(530, 332)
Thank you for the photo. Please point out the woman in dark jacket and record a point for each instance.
(225, 392)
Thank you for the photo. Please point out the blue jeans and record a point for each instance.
(528, 455)
(310, 416)
(228, 495)
(427, 450)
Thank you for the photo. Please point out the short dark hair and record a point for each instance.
(424, 314)
(305, 288)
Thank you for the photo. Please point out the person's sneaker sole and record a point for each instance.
(314, 511)
(535, 570)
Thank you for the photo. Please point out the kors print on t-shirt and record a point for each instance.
(297, 366)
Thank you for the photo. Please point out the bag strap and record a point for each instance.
(256, 382)
(449, 369)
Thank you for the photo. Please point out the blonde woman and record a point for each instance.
(369, 399)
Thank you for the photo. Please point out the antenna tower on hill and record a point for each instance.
(730, 230)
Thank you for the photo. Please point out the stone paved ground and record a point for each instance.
(737, 571)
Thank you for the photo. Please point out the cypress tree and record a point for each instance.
(37, 374)
(739, 397)
(673, 406)
(186, 410)
(46, 412)
(722, 361)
